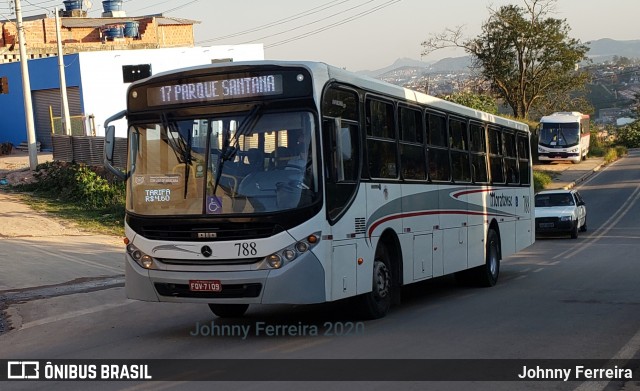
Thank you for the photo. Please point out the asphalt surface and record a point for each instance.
(31, 233)
(557, 299)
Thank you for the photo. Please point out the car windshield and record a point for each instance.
(554, 199)
(232, 164)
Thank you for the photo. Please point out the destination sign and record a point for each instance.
(212, 90)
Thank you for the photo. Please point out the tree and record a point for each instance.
(527, 57)
(475, 101)
(629, 135)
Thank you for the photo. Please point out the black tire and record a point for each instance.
(376, 304)
(229, 310)
(487, 274)
(584, 226)
(574, 230)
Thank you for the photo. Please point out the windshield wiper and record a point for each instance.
(228, 151)
(180, 147)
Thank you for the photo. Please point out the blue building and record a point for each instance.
(96, 86)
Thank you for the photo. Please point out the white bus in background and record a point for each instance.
(299, 183)
(564, 136)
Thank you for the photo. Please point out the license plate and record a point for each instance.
(547, 225)
(205, 286)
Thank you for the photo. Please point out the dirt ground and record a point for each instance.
(14, 168)
(16, 218)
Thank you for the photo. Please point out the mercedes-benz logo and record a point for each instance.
(206, 251)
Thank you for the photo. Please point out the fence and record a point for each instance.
(88, 150)
(81, 125)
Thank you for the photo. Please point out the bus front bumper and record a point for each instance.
(549, 157)
(299, 282)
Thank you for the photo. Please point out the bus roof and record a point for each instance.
(564, 117)
(364, 82)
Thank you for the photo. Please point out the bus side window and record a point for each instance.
(510, 158)
(412, 152)
(495, 155)
(438, 153)
(382, 151)
(523, 159)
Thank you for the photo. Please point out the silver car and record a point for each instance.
(560, 211)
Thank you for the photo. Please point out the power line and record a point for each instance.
(309, 24)
(179, 7)
(328, 27)
(280, 21)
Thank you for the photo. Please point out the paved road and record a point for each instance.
(560, 298)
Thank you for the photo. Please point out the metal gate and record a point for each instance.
(42, 100)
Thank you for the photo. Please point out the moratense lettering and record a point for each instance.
(500, 201)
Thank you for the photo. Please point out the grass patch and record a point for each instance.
(541, 180)
(91, 220)
(85, 196)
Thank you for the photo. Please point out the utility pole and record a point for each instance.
(66, 118)
(26, 90)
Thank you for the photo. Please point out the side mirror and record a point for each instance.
(110, 144)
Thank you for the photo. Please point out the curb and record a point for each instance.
(584, 177)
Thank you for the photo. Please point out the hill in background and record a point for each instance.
(600, 50)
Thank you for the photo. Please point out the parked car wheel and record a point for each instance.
(574, 230)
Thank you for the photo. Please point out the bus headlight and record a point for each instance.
(291, 253)
(274, 261)
(565, 218)
(142, 259)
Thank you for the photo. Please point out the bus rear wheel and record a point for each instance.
(376, 304)
(229, 310)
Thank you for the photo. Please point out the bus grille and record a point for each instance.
(209, 233)
(210, 262)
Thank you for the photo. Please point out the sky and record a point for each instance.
(359, 34)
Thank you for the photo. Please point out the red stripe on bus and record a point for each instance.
(432, 212)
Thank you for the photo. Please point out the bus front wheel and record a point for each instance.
(229, 310)
(376, 304)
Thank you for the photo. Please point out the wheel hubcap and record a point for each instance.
(493, 262)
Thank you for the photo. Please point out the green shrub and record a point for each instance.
(597, 147)
(597, 151)
(540, 180)
(611, 155)
(78, 184)
(621, 150)
(629, 136)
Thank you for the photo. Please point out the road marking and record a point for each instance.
(538, 270)
(73, 314)
(610, 223)
(626, 353)
(606, 226)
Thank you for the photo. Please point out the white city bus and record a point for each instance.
(298, 182)
(564, 136)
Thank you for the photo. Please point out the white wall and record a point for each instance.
(104, 92)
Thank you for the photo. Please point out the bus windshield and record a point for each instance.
(255, 162)
(559, 134)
